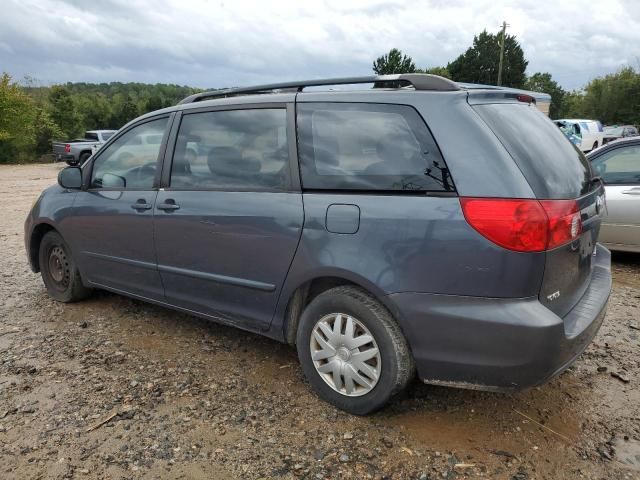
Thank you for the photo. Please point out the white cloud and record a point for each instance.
(221, 43)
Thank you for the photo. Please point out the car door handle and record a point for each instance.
(169, 205)
(633, 191)
(141, 204)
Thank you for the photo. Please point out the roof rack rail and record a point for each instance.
(419, 81)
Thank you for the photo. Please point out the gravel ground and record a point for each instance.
(114, 388)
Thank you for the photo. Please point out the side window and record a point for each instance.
(130, 161)
(619, 166)
(362, 146)
(243, 149)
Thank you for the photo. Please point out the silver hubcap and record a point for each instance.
(345, 354)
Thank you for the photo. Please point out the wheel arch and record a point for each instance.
(37, 234)
(311, 287)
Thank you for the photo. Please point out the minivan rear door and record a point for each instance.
(556, 170)
(229, 216)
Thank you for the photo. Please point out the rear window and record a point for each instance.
(358, 146)
(552, 165)
(91, 136)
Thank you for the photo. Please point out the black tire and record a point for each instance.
(83, 158)
(59, 271)
(397, 366)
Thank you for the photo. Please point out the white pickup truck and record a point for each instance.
(76, 152)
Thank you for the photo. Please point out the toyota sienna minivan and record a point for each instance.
(418, 227)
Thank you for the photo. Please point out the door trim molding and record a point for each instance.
(213, 277)
(126, 261)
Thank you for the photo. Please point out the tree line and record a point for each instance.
(612, 99)
(31, 116)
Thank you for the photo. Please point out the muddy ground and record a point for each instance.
(114, 388)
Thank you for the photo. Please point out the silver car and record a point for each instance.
(618, 164)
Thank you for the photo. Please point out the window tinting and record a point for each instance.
(368, 147)
(91, 136)
(130, 161)
(551, 164)
(230, 149)
(619, 166)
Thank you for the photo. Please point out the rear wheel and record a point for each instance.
(59, 271)
(352, 351)
(83, 158)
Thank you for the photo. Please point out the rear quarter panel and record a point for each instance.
(409, 244)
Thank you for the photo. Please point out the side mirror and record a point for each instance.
(70, 177)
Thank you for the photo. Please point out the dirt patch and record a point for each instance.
(184, 398)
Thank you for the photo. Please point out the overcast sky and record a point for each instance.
(214, 43)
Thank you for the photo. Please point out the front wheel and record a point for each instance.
(59, 271)
(352, 351)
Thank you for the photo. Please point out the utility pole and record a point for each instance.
(504, 29)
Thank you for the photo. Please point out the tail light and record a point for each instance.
(67, 148)
(525, 98)
(524, 225)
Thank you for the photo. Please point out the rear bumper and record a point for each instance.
(500, 344)
(68, 158)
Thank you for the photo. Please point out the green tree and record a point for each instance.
(17, 113)
(441, 71)
(479, 64)
(572, 105)
(127, 112)
(543, 82)
(393, 62)
(45, 130)
(614, 98)
(94, 109)
(155, 102)
(63, 111)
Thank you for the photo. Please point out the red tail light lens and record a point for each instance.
(524, 225)
(67, 148)
(565, 223)
(526, 98)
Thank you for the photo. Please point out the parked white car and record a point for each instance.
(618, 165)
(587, 135)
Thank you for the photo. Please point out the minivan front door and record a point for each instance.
(113, 220)
(228, 222)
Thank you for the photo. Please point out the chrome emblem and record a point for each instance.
(553, 296)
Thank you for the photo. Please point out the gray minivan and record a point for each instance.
(418, 225)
